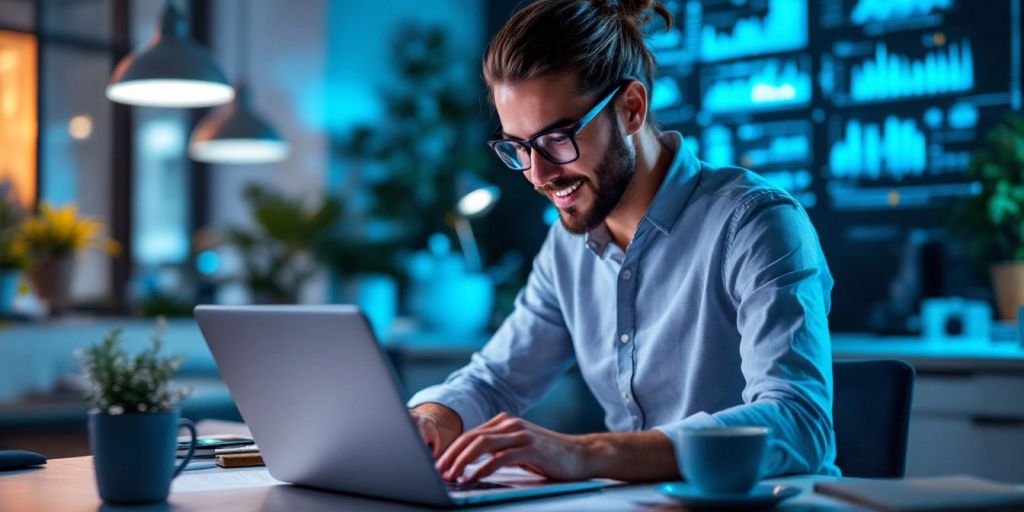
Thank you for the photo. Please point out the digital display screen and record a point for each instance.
(866, 111)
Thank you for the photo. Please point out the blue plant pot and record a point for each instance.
(8, 290)
(134, 454)
(455, 303)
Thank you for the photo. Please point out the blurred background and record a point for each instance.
(351, 167)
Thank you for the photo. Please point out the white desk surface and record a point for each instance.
(67, 485)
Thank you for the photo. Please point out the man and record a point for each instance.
(690, 297)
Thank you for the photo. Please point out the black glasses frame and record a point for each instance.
(570, 132)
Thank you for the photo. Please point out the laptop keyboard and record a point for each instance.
(456, 486)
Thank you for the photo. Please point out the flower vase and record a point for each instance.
(51, 278)
(1008, 282)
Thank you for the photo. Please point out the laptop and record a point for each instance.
(322, 402)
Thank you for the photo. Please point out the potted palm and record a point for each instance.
(995, 217)
(52, 238)
(133, 427)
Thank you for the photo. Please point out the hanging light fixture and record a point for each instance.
(234, 134)
(172, 71)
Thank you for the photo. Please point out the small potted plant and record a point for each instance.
(52, 238)
(995, 217)
(133, 428)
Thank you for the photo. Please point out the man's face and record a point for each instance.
(585, 191)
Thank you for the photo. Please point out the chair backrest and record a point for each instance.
(871, 417)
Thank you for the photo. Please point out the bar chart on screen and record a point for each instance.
(868, 112)
(881, 108)
(886, 75)
(877, 17)
(867, 11)
(871, 151)
(763, 84)
(728, 34)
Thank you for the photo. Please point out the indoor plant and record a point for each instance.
(51, 239)
(282, 251)
(13, 258)
(402, 168)
(133, 428)
(405, 164)
(994, 218)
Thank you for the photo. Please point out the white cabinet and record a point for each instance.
(969, 422)
(968, 409)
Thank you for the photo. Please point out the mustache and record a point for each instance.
(557, 184)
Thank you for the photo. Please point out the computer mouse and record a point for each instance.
(19, 459)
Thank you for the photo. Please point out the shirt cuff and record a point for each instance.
(463, 405)
(674, 432)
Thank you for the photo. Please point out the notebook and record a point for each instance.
(959, 492)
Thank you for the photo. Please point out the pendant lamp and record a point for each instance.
(234, 134)
(172, 71)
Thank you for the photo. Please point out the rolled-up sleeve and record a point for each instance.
(780, 285)
(523, 359)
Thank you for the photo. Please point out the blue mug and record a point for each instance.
(723, 459)
(133, 454)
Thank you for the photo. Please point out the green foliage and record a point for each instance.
(281, 254)
(994, 219)
(123, 384)
(432, 130)
(13, 254)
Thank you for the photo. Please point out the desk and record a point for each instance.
(67, 485)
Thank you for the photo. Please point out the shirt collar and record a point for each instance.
(677, 187)
(672, 196)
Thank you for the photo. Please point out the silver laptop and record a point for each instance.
(321, 400)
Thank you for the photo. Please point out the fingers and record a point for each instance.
(501, 459)
(429, 433)
(500, 424)
(484, 444)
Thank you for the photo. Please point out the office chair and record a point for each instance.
(871, 417)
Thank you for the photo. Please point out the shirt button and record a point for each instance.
(626, 274)
(625, 396)
(624, 338)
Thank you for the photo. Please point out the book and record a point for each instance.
(239, 460)
(930, 494)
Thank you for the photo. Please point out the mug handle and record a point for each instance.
(187, 423)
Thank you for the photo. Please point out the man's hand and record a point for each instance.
(513, 441)
(438, 426)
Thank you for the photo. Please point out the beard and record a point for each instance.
(614, 174)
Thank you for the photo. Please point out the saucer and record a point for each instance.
(760, 497)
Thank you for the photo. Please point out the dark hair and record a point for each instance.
(601, 41)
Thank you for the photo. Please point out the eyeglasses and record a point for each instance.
(557, 146)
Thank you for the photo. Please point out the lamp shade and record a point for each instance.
(476, 197)
(172, 71)
(234, 134)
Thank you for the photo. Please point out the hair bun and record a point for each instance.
(639, 11)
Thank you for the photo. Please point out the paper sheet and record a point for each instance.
(221, 479)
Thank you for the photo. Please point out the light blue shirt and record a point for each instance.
(714, 315)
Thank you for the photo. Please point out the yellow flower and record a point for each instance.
(62, 231)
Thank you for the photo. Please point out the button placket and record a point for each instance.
(626, 318)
